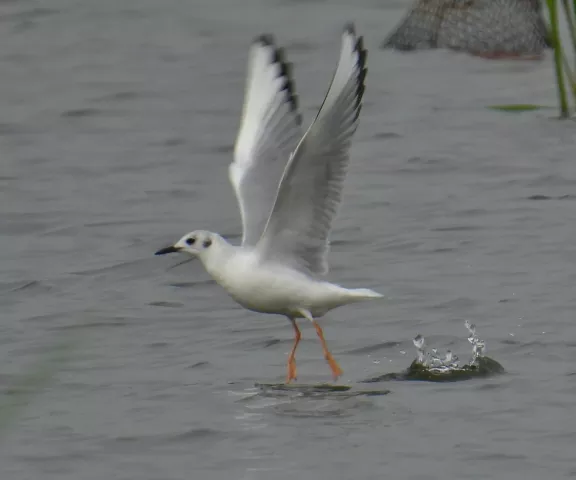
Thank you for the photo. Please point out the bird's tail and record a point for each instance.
(364, 294)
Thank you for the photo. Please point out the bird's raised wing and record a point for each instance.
(310, 191)
(269, 132)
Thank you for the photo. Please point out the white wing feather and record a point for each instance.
(310, 191)
(270, 130)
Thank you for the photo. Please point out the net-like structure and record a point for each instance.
(481, 27)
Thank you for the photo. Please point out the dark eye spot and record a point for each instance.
(207, 243)
(190, 241)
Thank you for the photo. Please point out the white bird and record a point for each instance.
(288, 188)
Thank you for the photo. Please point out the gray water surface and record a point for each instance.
(117, 121)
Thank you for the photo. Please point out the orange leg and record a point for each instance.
(336, 370)
(291, 359)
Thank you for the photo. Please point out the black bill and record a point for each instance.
(170, 249)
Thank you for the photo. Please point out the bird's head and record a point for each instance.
(197, 244)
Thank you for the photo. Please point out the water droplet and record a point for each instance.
(418, 341)
(478, 346)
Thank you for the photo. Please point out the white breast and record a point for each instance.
(270, 288)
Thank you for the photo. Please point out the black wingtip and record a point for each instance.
(362, 71)
(279, 58)
(350, 28)
(362, 53)
(266, 39)
(286, 73)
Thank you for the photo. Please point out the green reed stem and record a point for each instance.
(571, 20)
(558, 64)
(570, 75)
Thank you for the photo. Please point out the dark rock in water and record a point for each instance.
(482, 368)
(487, 28)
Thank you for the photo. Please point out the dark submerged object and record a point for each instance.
(321, 389)
(487, 28)
(481, 368)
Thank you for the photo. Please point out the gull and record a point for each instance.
(289, 188)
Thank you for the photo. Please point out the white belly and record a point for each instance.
(275, 289)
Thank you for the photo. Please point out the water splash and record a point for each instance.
(478, 346)
(435, 362)
(419, 344)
